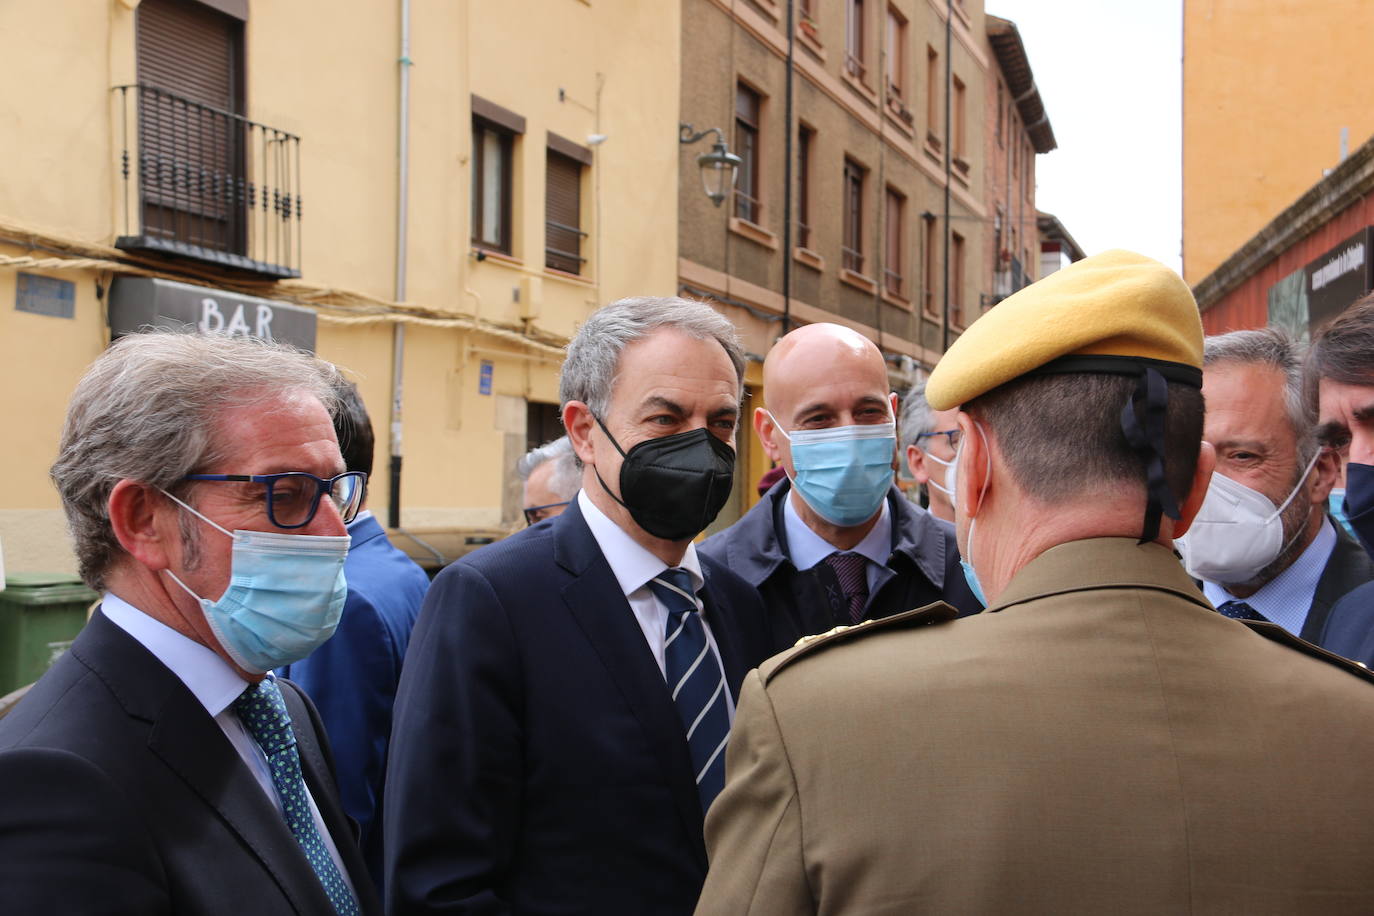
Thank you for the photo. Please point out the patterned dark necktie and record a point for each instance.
(696, 681)
(1239, 610)
(852, 571)
(263, 712)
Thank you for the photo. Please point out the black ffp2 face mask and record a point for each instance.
(674, 486)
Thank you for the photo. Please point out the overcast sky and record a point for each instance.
(1110, 74)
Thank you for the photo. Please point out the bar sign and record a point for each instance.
(45, 296)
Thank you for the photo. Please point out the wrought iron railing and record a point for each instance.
(746, 207)
(851, 259)
(204, 183)
(563, 247)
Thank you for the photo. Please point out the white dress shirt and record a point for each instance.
(1287, 597)
(806, 548)
(216, 686)
(633, 567)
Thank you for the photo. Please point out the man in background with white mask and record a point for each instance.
(1262, 543)
(929, 439)
(157, 767)
(834, 542)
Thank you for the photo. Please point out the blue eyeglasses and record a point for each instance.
(951, 436)
(293, 498)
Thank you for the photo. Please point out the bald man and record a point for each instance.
(834, 542)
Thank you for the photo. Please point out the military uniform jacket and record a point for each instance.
(1100, 741)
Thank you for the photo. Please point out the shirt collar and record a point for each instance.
(1287, 597)
(360, 518)
(806, 548)
(632, 564)
(206, 674)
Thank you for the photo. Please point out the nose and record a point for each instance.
(327, 521)
(1361, 445)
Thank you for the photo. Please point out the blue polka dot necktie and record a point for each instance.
(263, 712)
(695, 678)
(1239, 610)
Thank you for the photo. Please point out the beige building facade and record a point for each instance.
(390, 183)
(873, 155)
(1274, 97)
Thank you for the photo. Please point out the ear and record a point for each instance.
(578, 421)
(1325, 473)
(892, 404)
(1202, 476)
(138, 520)
(916, 463)
(974, 458)
(768, 433)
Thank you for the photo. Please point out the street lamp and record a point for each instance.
(719, 167)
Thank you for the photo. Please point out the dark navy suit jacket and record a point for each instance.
(352, 678)
(538, 764)
(120, 794)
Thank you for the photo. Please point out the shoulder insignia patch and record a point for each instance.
(930, 614)
(1279, 634)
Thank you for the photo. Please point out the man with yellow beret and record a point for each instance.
(1099, 740)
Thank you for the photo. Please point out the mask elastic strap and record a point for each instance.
(776, 425)
(944, 464)
(597, 471)
(1297, 486)
(196, 514)
(183, 585)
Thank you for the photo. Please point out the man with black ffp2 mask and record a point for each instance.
(562, 718)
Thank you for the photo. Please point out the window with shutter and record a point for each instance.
(563, 214)
(190, 130)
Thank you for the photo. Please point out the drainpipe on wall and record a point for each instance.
(398, 339)
(949, 139)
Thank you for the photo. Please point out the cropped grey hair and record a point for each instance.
(147, 410)
(565, 479)
(589, 372)
(917, 416)
(1276, 349)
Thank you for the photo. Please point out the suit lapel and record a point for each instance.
(192, 745)
(598, 605)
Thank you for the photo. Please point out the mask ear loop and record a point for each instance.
(982, 491)
(597, 471)
(1298, 486)
(190, 509)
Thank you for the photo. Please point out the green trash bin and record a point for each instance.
(40, 615)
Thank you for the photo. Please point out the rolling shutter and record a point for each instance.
(563, 214)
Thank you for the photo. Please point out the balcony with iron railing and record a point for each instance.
(207, 184)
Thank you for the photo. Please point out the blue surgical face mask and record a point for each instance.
(970, 576)
(285, 595)
(843, 472)
(1335, 504)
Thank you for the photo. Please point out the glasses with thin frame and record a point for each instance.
(294, 497)
(951, 436)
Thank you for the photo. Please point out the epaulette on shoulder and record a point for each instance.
(1279, 634)
(809, 645)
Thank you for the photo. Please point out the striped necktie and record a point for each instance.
(263, 712)
(696, 681)
(852, 571)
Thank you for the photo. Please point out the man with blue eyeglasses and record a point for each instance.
(158, 767)
(930, 439)
(834, 543)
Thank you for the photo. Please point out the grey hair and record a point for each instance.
(147, 410)
(589, 372)
(1276, 349)
(565, 480)
(917, 416)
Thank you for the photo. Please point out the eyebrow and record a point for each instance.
(1363, 413)
(663, 403)
(1332, 431)
(865, 401)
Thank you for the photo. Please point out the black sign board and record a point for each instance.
(1339, 277)
(140, 303)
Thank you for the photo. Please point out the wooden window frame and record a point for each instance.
(506, 140)
(558, 233)
(958, 254)
(806, 140)
(855, 47)
(933, 135)
(928, 223)
(748, 136)
(896, 53)
(894, 261)
(852, 242)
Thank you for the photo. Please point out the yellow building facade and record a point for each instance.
(438, 192)
(1273, 95)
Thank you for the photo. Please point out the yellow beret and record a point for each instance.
(1118, 304)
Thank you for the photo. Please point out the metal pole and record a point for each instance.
(398, 339)
(788, 152)
(949, 32)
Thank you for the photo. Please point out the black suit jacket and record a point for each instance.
(120, 794)
(1347, 569)
(538, 764)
